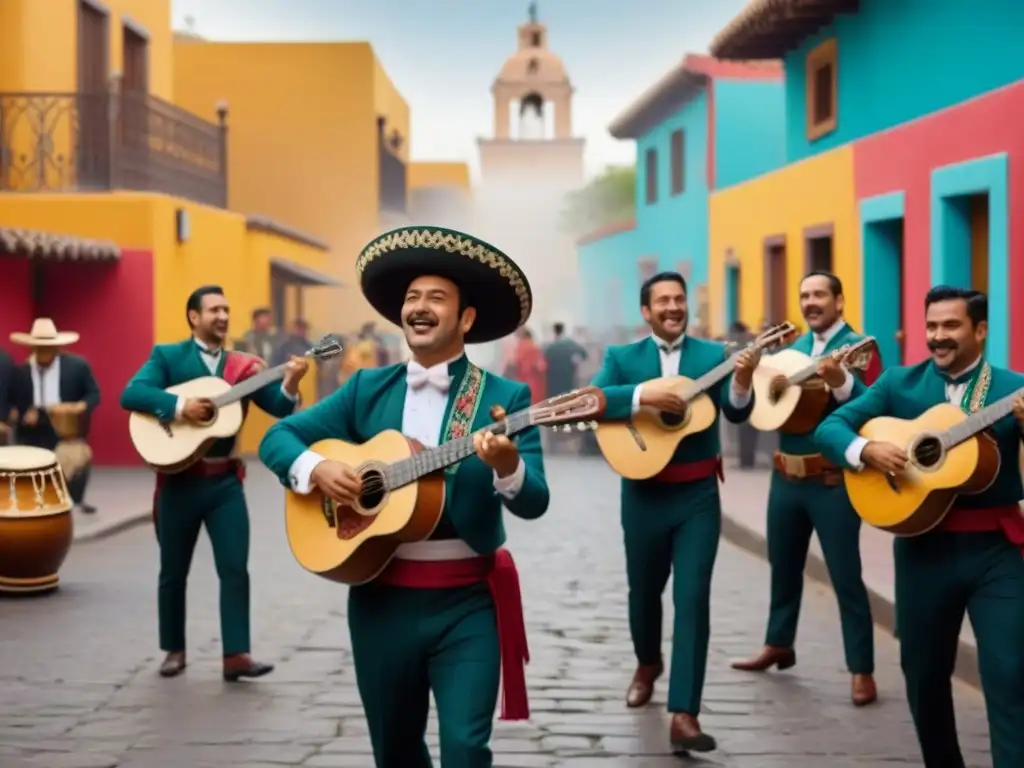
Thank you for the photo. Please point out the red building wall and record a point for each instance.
(16, 308)
(902, 159)
(111, 306)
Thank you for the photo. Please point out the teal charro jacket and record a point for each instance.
(629, 365)
(907, 392)
(802, 445)
(171, 364)
(373, 400)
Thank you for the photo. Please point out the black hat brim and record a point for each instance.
(488, 280)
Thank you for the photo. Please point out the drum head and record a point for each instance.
(21, 458)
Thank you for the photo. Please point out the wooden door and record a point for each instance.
(776, 281)
(136, 62)
(92, 151)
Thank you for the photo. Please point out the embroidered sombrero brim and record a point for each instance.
(491, 282)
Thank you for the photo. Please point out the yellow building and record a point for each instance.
(319, 139)
(101, 165)
(768, 232)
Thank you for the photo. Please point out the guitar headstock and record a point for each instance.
(579, 405)
(776, 336)
(328, 347)
(857, 357)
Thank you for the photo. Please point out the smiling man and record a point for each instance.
(445, 616)
(971, 562)
(807, 496)
(671, 523)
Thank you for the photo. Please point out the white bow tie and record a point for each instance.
(436, 376)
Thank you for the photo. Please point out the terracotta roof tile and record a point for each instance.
(36, 244)
(767, 29)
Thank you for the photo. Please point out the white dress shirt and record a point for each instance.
(45, 382)
(426, 399)
(955, 392)
(211, 359)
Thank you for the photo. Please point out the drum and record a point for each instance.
(73, 453)
(35, 519)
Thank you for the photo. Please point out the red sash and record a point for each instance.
(691, 471)
(499, 571)
(238, 366)
(1009, 519)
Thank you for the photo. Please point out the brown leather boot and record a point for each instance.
(863, 690)
(173, 664)
(770, 656)
(642, 687)
(241, 665)
(686, 735)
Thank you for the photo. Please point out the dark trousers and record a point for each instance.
(747, 437)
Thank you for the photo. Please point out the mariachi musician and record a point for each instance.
(807, 495)
(972, 562)
(446, 614)
(54, 394)
(210, 491)
(671, 523)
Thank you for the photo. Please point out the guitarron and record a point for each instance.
(403, 492)
(949, 454)
(789, 396)
(171, 447)
(642, 447)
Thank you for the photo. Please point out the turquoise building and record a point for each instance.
(706, 124)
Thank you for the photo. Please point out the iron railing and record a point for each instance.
(68, 142)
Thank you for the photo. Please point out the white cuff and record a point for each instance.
(738, 398)
(179, 407)
(294, 398)
(842, 394)
(510, 486)
(637, 394)
(853, 452)
(301, 469)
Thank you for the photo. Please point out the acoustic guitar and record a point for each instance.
(642, 447)
(789, 396)
(403, 491)
(171, 447)
(949, 454)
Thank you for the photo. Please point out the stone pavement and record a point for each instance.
(78, 687)
(123, 497)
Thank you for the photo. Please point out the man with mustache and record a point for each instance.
(445, 616)
(971, 562)
(671, 523)
(209, 492)
(807, 495)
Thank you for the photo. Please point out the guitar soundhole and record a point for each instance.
(777, 388)
(928, 452)
(374, 489)
(671, 419)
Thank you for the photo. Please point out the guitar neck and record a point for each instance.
(980, 421)
(250, 385)
(408, 471)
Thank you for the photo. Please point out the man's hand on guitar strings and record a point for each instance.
(884, 457)
(832, 373)
(197, 410)
(294, 370)
(746, 362)
(497, 452)
(1018, 410)
(338, 482)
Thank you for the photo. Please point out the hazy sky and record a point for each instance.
(443, 55)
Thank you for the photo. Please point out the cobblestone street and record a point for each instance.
(79, 689)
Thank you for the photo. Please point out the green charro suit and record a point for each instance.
(671, 527)
(941, 574)
(409, 641)
(185, 502)
(795, 509)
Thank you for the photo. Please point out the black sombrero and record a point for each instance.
(490, 281)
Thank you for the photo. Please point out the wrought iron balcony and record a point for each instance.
(74, 142)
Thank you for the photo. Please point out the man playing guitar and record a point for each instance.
(971, 562)
(209, 492)
(445, 615)
(807, 495)
(671, 523)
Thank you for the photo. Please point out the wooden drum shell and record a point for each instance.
(36, 527)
